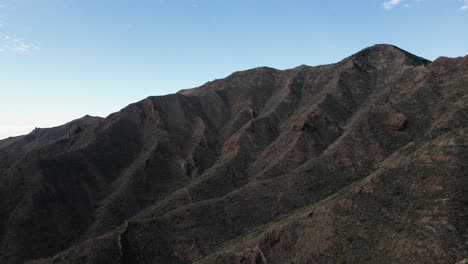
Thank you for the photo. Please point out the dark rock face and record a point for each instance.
(362, 161)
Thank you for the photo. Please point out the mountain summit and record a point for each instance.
(362, 161)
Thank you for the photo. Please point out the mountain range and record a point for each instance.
(361, 161)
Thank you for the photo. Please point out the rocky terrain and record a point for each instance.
(362, 161)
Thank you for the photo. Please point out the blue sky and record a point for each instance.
(62, 59)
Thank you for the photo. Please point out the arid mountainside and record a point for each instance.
(362, 161)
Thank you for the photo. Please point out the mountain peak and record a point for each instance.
(383, 55)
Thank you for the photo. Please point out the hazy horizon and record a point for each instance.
(61, 60)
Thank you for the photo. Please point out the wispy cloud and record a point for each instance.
(464, 6)
(195, 4)
(7, 6)
(11, 43)
(17, 45)
(391, 4)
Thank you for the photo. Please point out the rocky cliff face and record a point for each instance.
(362, 161)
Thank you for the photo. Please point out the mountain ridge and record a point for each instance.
(171, 178)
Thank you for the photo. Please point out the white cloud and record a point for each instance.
(11, 43)
(464, 6)
(391, 4)
(25, 48)
(17, 45)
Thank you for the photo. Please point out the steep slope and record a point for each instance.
(359, 161)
